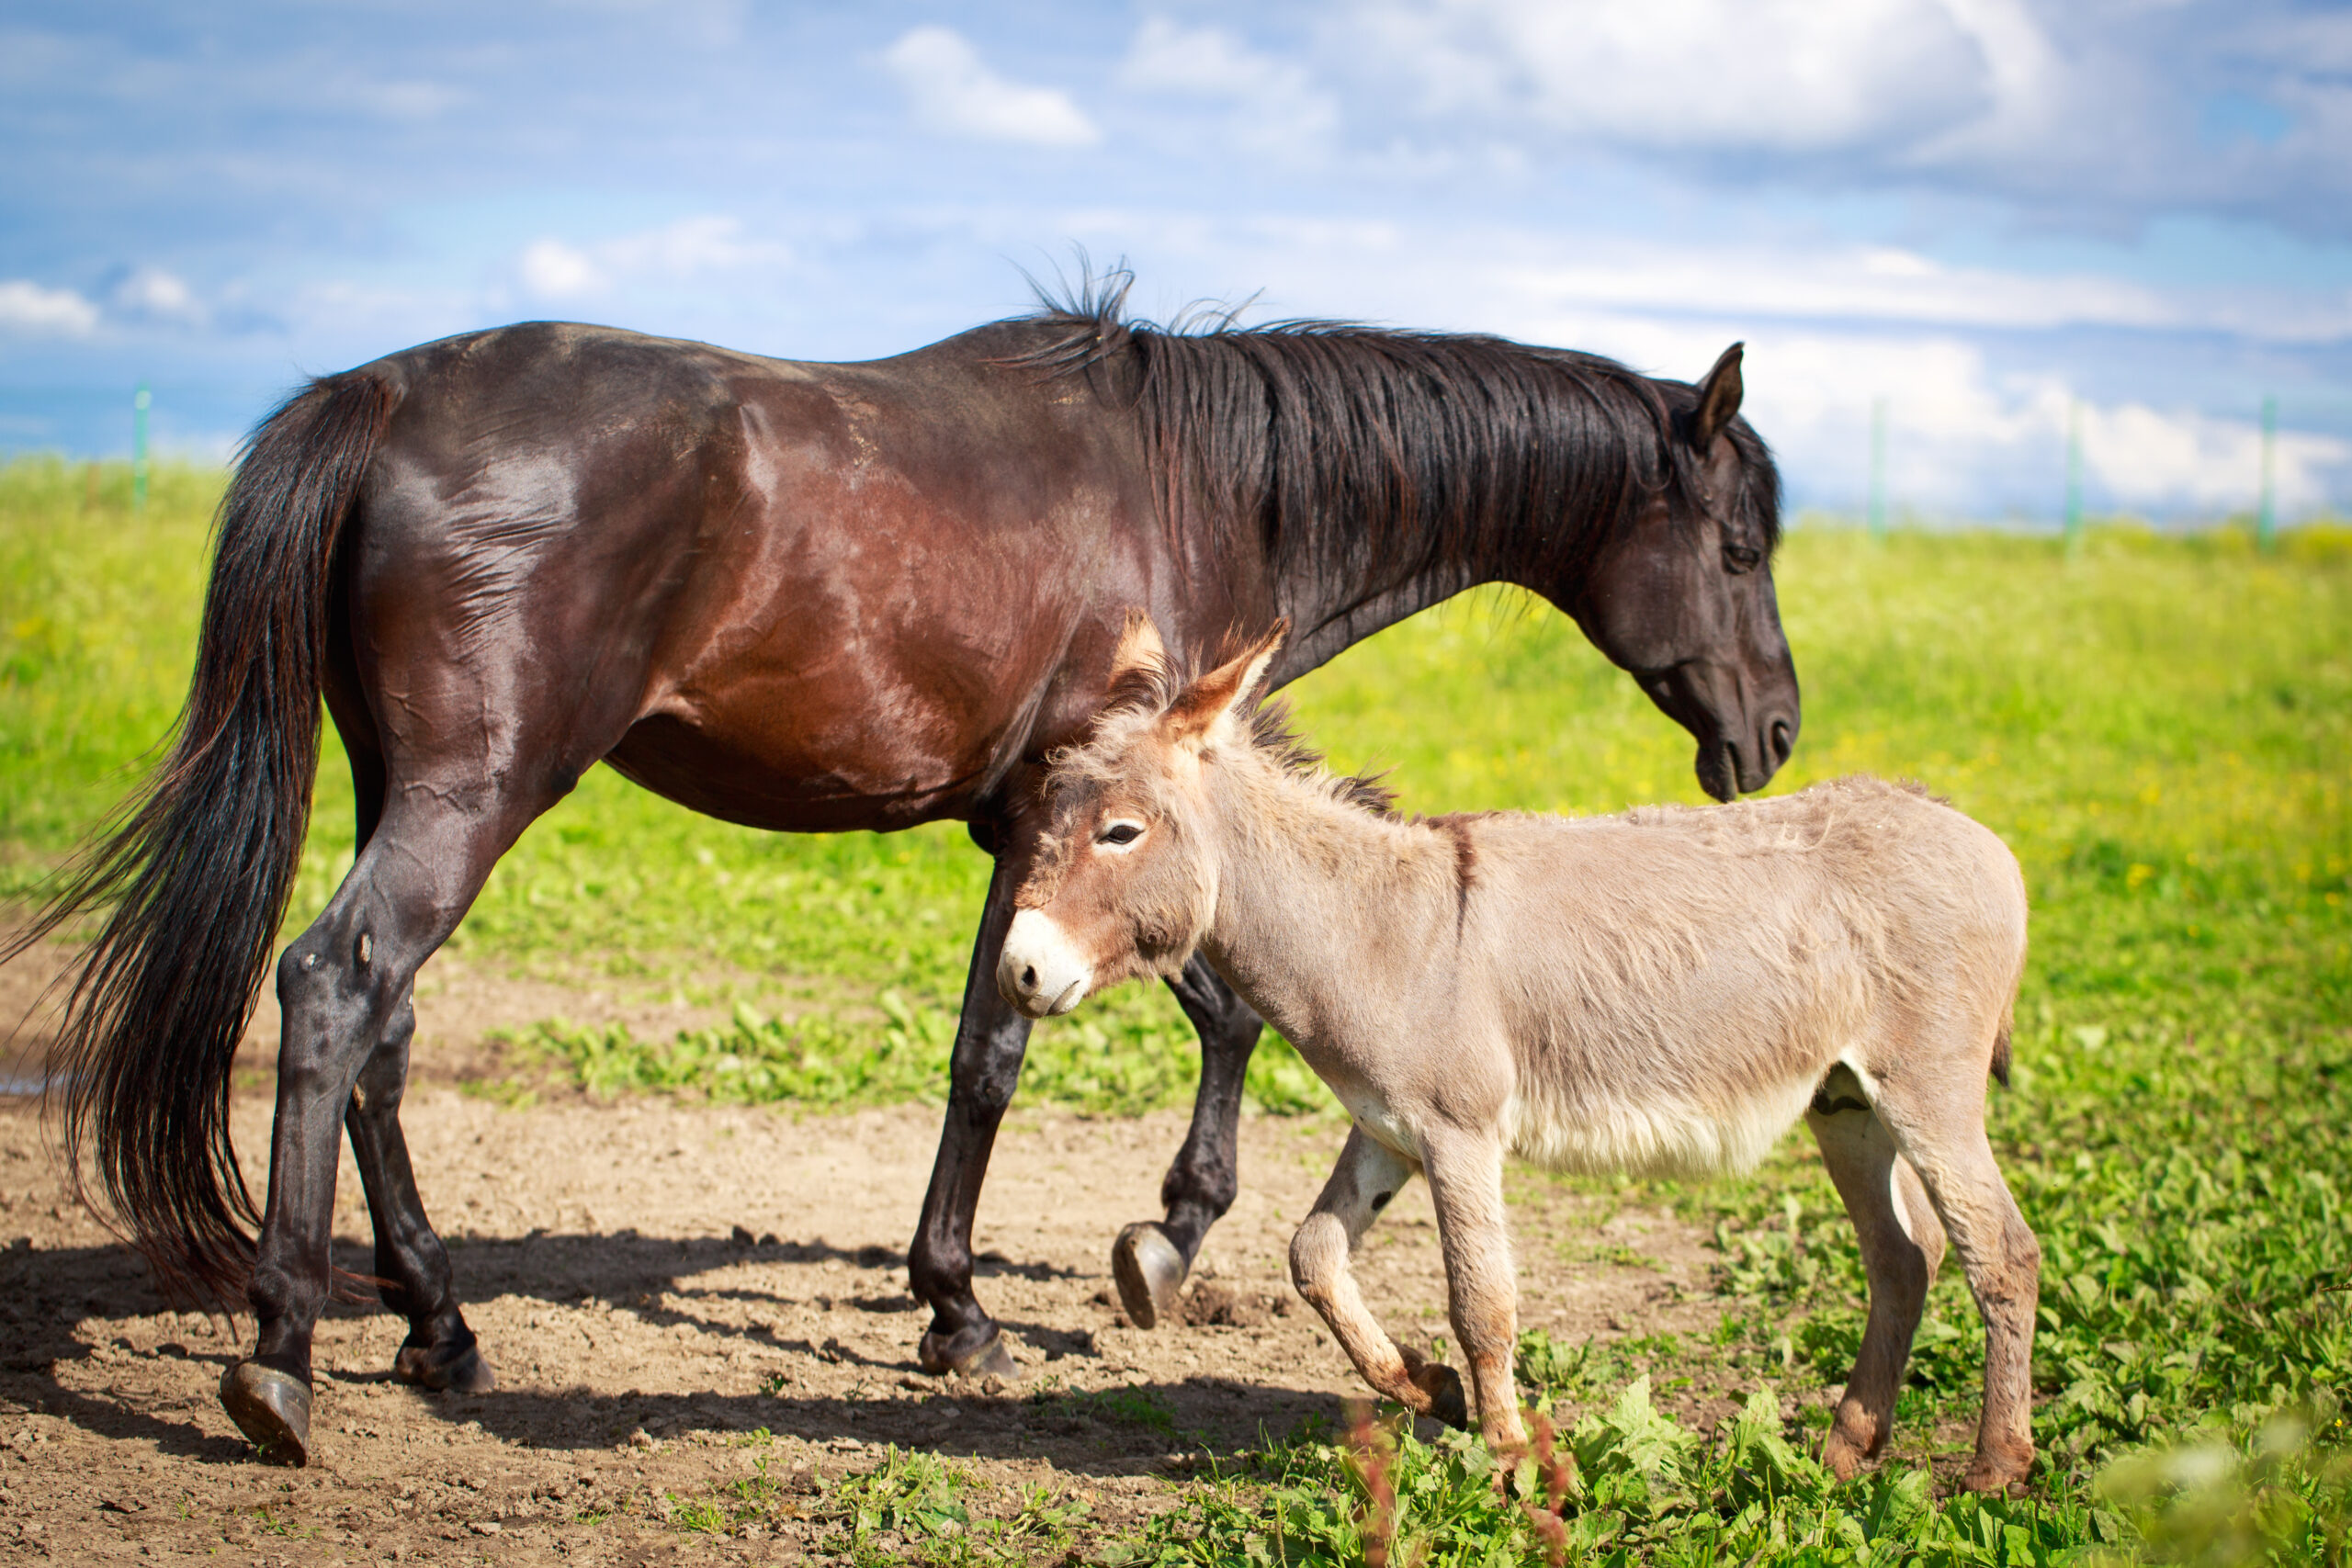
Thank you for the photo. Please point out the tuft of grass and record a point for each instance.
(1625, 1484)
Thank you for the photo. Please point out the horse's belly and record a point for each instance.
(801, 777)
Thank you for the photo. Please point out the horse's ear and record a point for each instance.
(1140, 651)
(1719, 397)
(1225, 691)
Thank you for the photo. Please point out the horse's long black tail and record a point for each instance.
(197, 866)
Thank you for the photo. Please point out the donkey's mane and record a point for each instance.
(1361, 449)
(1141, 694)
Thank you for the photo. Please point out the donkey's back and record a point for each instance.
(1677, 985)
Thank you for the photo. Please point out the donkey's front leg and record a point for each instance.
(1366, 1177)
(1150, 1258)
(1465, 1172)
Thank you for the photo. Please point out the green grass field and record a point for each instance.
(2161, 728)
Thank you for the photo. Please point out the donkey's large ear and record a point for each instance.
(1719, 397)
(1225, 692)
(1140, 651)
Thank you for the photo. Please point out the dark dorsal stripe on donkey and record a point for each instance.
(803, 597)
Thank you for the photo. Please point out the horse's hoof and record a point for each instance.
(1150, 1272)
(988, 1357)
(459, 1369)
(1444, 1386)
(271, 1408)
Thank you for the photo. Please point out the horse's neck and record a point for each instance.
(1330, 618)
(1327, 618)
(1313, 896)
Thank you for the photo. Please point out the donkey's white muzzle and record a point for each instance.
(1040, 972)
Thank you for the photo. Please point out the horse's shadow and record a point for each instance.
(46, 1295)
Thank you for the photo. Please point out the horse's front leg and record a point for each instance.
(1151, 1258)
(991, 1039)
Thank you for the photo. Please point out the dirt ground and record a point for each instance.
(657, 1284)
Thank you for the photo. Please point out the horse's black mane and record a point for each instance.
(1360, 448)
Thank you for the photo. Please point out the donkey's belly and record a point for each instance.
(1664, 1137)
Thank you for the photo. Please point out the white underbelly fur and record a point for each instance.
(1652, 1138)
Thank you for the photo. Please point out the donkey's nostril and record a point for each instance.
(1029, 977)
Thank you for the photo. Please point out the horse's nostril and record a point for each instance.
(1784, 741)
(1029, 976)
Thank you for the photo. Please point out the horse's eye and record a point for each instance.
(1741, 558)
(1120, 833)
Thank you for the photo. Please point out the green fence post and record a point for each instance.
(1878, 468)
(2266, 515)
(2073, 476)
(139, 406)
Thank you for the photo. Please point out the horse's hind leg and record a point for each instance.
(411, 1262)
(1902, 1243)
(1150, 1258)
(1365, 1178)
(1941, 1129)
(344, 989)
(440, 1351)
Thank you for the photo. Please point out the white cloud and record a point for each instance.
(27, 307)
(954, 90)
(1737, 75)
(152, 294)
(555, 269)
(1276, 106)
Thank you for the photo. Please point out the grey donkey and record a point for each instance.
(1662, 992)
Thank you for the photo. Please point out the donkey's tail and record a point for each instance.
(198, 865)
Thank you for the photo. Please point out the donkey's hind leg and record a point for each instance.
(1941, 1129)
(1902, 1243)
(1367, 1176)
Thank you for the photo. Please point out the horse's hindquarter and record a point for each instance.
(802, 597)
(1680, 981)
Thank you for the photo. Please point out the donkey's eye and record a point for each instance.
(1741, 558)
(1120, 834)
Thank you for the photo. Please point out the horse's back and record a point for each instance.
(797, 595)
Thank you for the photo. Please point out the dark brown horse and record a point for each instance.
(805, 597)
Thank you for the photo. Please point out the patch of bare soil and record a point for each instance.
(654, 1283)
(459, 1006)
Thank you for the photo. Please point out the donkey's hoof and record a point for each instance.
(1444, 1386)
(459, 1367)
(987, 1357)
(271, 1408)
(1998, 1474)
(1841, 1456)
(1150, 1272)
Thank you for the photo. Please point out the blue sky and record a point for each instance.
(1989, 213)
